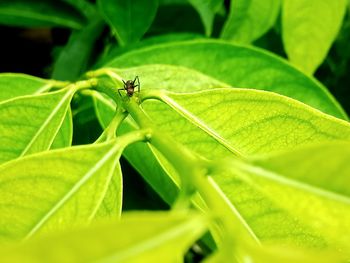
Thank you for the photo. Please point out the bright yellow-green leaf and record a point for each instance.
(65, 133)
(300, 196)
(138, 237)
(250, 19)
(14, 85)
(29, 124)
(276, 253)
(54, 190)
(250, 122)
(309, 29)
(111, 205)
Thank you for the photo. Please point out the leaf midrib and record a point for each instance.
(47, 122)
(202, 125)
(280, 179)
(76, 187)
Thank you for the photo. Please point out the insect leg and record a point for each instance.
(138, 84)
(120, 90)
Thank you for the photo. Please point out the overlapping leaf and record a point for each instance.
(238, 66)
(138, 237)
(250, 122)
(14, 85)
(168, 78)
(299, 196)
(56, 189)
(257, 122)
(30, 124)
(250, 19)
(309, 29)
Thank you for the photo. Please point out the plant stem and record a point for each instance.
(110, 132)
(193, 170)
(185, 162)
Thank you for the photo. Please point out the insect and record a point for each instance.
(129, 86)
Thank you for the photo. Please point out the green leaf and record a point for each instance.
(138, 237)
(276, 253)
(250, 19)
(65, 133)
(111, 205)
(309, 29)
(268, 123)
(14, 85)
(29, 124)
(207, 10)
(238, 66)
(128, 18)
(77, 52)
(299, 196)
(54, 190)
(37, 13)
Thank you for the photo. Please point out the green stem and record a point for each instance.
(184, 161)
(110, 132)
(83, 84)
(132, 137)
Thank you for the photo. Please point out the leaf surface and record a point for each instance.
(309, 28)
(238, 66)
(14, 85)
(29, 124)
(250, 19)
(251, 121)
(138, 237)
(36, 13)
(64, 135)
(128, 18)
(54, 190)
(299, 196)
